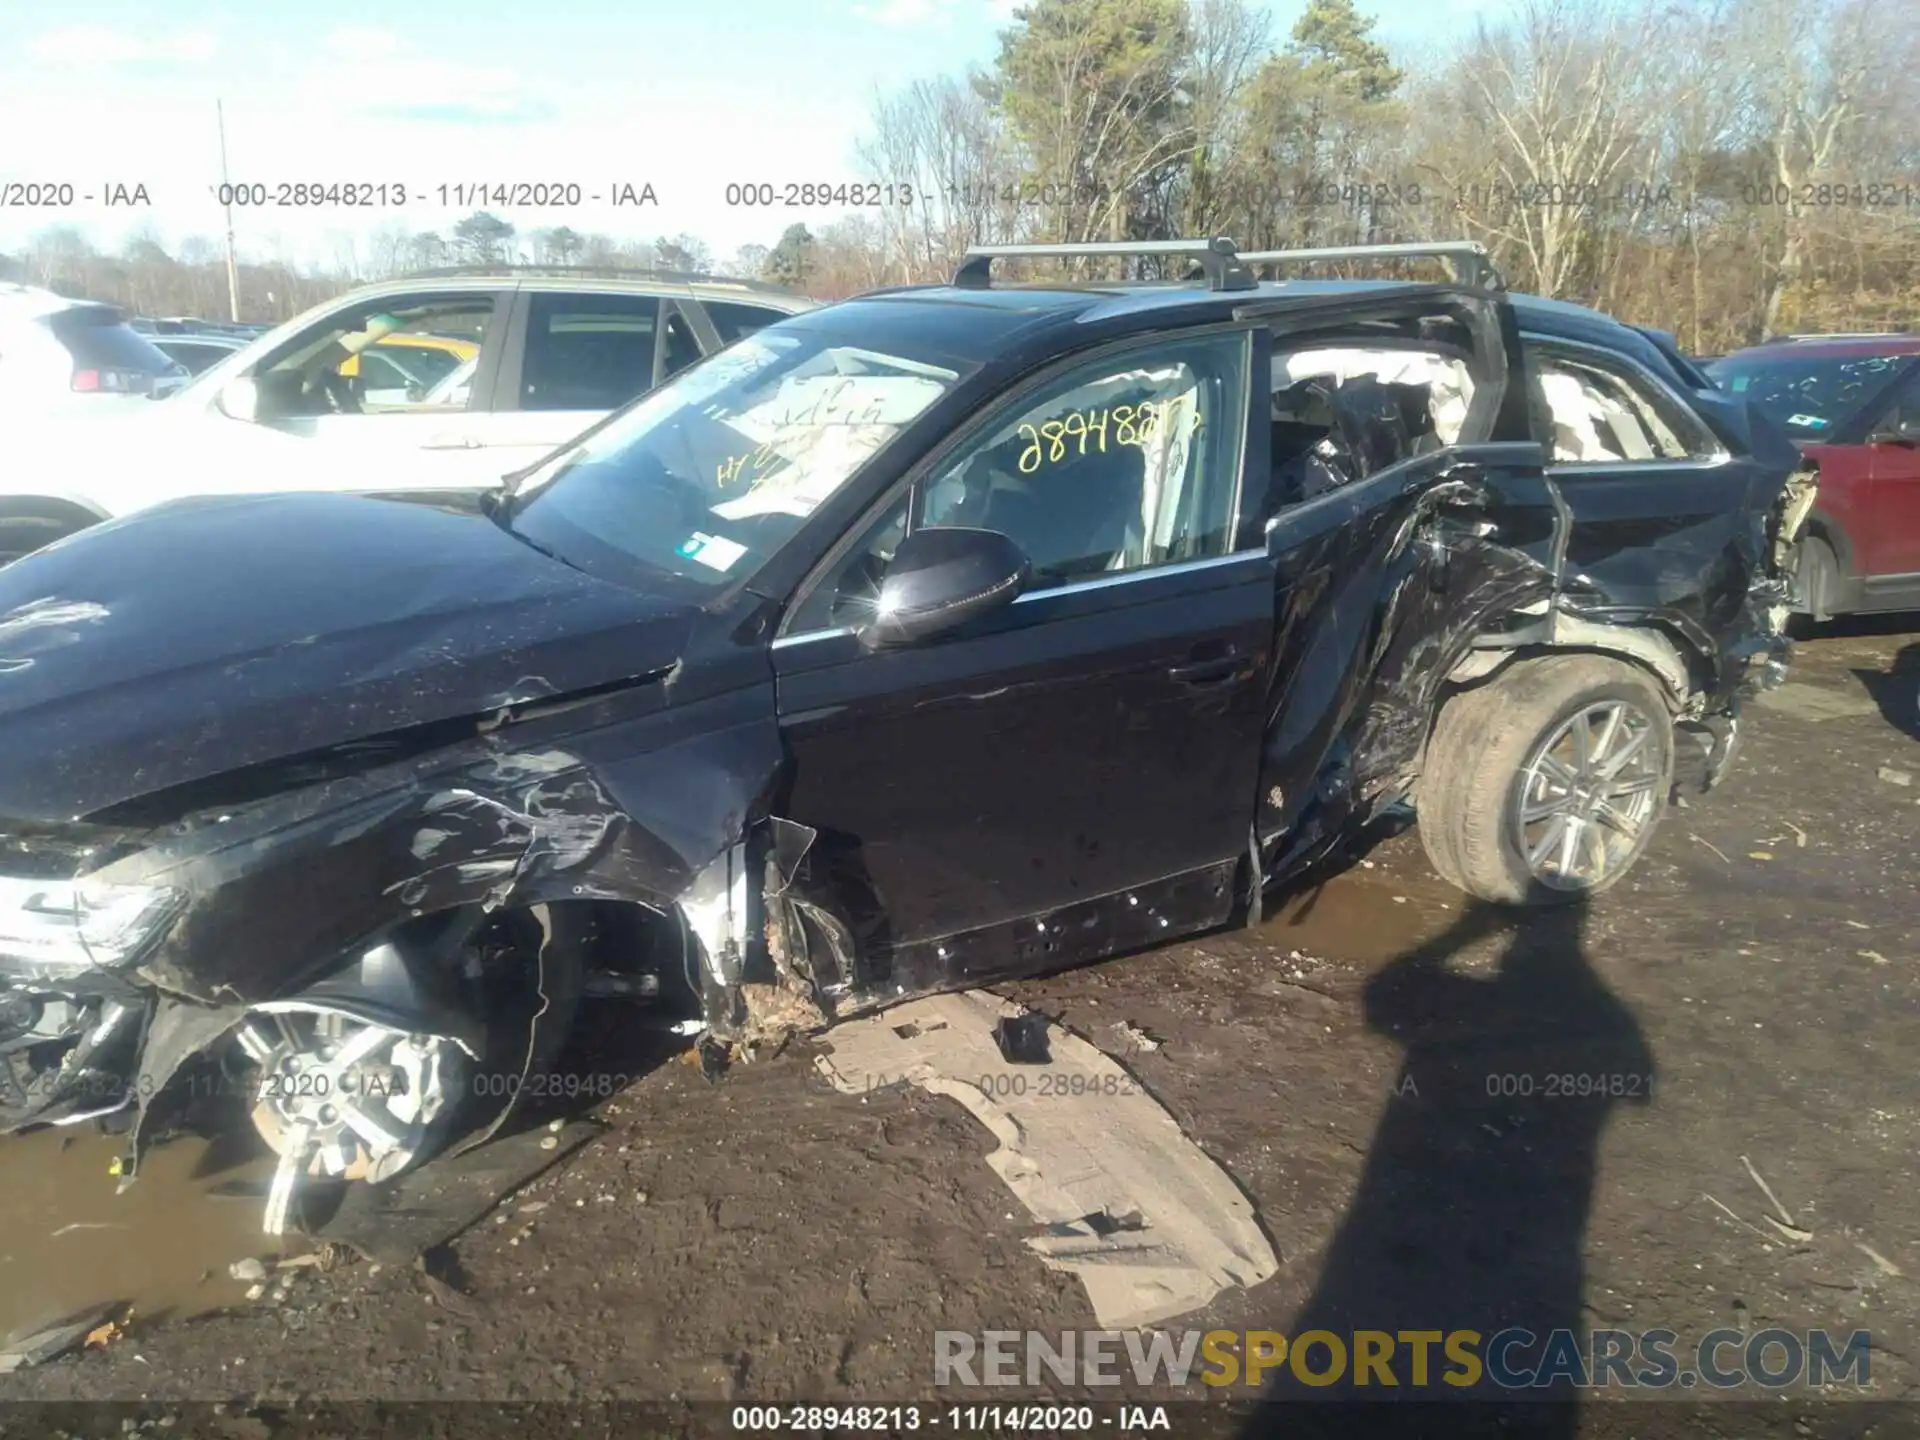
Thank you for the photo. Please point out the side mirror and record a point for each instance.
(240, 400)
(941, 577)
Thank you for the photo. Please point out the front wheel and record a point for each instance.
(1545, 785)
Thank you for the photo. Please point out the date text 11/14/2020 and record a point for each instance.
(459, 195)
(991, 1419)
(548, 1085)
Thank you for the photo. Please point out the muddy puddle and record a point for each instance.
(1362, 916)
(163, 1247)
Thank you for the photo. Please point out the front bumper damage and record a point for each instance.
(363, 905)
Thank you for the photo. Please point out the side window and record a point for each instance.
(734, 321)
(1605, 414)
(1129, 463)
(1342, 412)
(846, 594)
(384, 381)
(357, 359)
(588, 352)
(682, 348)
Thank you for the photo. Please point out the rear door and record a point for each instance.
(1407, 502)
(574, 355)
(1658, 507)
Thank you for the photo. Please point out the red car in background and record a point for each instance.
(1852, 403)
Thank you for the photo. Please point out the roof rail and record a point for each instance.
(591, 272)
(1469, 260)
(1218, 262)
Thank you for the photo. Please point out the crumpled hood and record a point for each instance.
(210, 635)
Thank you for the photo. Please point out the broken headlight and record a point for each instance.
(50, 929)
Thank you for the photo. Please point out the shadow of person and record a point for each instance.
(1472, 1208)
(1896, 690)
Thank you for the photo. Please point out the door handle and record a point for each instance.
(1217, 671)
(450, 442)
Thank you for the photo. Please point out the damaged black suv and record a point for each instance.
(944, 634)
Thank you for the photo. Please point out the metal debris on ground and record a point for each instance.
(1769, 1193)
(52, 1341)
(1142, 1215)
(1023, 1040)
(1881, 1263)
(1698, 840)
(1896, 777)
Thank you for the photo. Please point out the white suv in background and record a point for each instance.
(531, 357)
(73, 356)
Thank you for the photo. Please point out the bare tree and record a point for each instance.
(1537, 124)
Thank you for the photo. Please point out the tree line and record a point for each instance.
(1725, 169)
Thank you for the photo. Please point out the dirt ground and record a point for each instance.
(767, 1239)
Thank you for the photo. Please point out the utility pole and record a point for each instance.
(226, 189)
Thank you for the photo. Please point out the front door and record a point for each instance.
(978, 793)
(1893, 500)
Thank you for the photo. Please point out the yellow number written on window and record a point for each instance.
(1084, 432)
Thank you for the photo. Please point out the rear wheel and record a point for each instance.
(1545, 785)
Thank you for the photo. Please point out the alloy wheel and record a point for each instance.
(1586, 799)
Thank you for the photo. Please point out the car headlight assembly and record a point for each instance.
(55, 928)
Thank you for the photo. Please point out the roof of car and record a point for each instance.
(610, 278)
(30, 301)
(1838, 347)
(198, 337)
(976, 324)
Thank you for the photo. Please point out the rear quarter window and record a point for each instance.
(734, 320)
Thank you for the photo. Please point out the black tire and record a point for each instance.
(21, 535)
(1816, 580)
(1476, 770)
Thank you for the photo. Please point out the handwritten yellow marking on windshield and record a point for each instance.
(1076, 433)
(751, 463)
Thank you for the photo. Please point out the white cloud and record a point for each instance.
(194, 48)
(363, 42)
(393, 79)
(901, 14)
(99, 46)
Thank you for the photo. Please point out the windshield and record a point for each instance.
(1810, 394)
(710, 474)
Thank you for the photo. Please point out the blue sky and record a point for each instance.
(686, 96)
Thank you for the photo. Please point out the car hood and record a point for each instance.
(210, 635)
